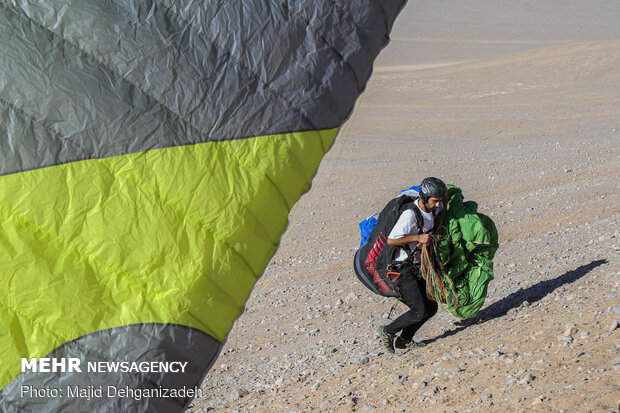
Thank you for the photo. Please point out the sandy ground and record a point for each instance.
(517, 103)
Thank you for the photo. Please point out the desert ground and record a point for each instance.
(518, 104)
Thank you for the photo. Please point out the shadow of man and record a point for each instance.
(532, 294)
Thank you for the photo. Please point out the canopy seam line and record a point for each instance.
(105, 65)
(240, 67)
(41, 122)
(300, 18)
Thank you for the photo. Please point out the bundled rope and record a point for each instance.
(439, 288)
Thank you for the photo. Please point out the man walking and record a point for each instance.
(408, 234)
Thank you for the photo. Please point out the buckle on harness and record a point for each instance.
(398, 275)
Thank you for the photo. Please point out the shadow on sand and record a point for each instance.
(532, 294)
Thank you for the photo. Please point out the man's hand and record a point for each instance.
(424, 238)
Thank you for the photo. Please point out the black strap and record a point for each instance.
(419, 220)
(418, 217)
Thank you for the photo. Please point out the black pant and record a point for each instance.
(413, 292)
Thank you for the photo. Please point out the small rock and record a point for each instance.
(368, 408)
(570, 331)
(484, 398)
(350, 296)
(362, 360)
(238, 393)
(586, 355)
(339, 302)
(614, 325)
(525, 303)
(352, 401)
(527, 379)
(511, 382)
(418, 385)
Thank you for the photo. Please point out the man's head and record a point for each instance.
(432, 192)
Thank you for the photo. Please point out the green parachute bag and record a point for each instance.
(467, 246)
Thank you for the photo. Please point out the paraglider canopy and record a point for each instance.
(149, 155)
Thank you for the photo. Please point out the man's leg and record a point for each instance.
(430, 309)
(414, 299)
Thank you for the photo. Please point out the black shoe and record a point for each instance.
(408, 345)
(387, 339)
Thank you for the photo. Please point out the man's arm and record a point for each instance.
(407, 239)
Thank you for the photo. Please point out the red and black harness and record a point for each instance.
(374, 261)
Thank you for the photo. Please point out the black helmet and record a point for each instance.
(432, 187)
